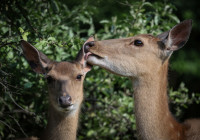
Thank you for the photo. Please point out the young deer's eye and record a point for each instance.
(79, 77)
(138, 43)
(50, 79)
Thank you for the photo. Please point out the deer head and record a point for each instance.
(64, 79)
(139, 55)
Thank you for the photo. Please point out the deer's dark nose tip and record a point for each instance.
(65, 101)
(87, 46)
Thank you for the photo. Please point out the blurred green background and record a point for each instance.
(59, 28)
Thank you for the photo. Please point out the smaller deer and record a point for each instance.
(65, 87)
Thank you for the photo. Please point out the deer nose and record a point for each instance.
(65, 101)
(88, 46)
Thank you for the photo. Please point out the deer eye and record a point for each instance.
(79, 77)
(138, 43)
(50, 79)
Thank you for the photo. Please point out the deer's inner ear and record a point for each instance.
(177, 36)
(36, 59)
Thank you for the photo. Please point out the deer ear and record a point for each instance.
(81, 56)
(36, 59)
(176, 38)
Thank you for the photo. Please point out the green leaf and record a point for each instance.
(28, 85)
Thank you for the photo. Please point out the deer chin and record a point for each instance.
(66, 110)
(94, 59)
(71, 109)
(98, 61)
(106, 63)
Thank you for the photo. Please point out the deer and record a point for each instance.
(65, 89)
(144, 59)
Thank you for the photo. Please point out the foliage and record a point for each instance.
(181, 99)
(59, 31)
(142, 18)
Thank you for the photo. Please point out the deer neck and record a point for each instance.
(153, 118)
(61, 126)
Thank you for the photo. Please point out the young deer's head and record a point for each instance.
(139, 55)
(64, 79)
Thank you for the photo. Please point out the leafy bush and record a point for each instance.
(59, 31)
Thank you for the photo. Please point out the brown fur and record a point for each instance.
(63, 125)
(147, 66)
(63, 81)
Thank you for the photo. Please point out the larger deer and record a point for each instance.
(144, 59)
(65, 86)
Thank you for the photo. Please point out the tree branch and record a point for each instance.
(5, 44)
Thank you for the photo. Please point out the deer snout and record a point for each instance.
(65, 101)
(87, 46)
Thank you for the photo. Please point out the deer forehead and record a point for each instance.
(147, 39)
(65, 70)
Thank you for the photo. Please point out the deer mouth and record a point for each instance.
(66, 109)
(93, 59)
(90, 54)
(69, 108)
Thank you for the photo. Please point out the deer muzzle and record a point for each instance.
(65, 101)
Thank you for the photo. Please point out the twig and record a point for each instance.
(9, 43)
(14, 112)
(5, 73)
(7, 125)
(3, 86)
(28, 112)
(19, 126)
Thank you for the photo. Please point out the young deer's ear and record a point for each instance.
(81, 56)
(36, 59)
(176, 38)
